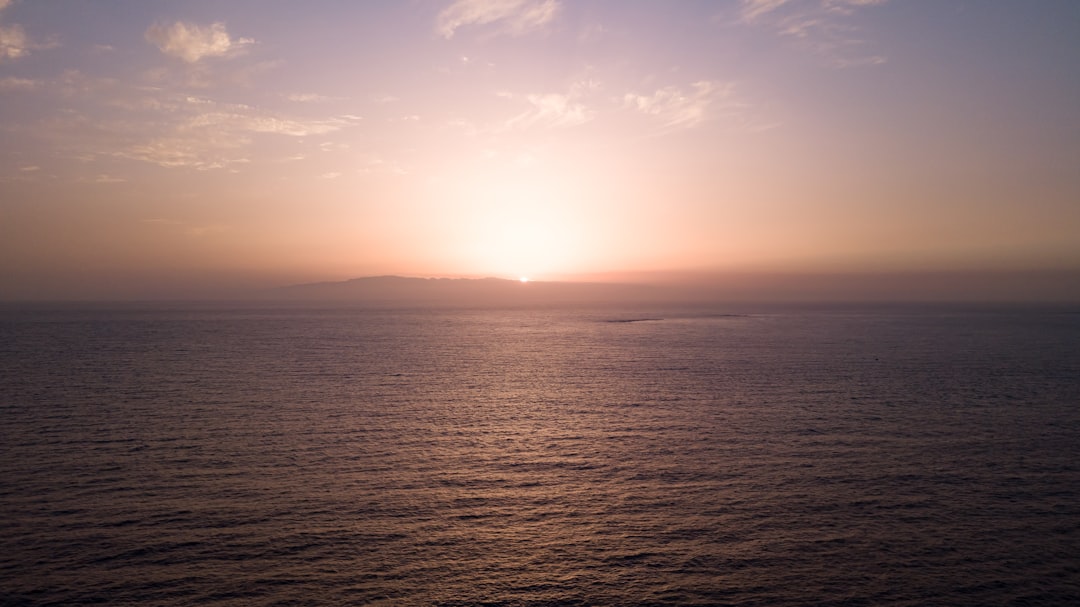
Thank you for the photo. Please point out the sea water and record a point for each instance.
(232, 455)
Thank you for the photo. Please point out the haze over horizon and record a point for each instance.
(829, 148)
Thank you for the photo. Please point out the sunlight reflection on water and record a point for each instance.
(539, 457)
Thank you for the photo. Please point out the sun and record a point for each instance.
(517, 222)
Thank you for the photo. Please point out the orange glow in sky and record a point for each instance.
(153, 150)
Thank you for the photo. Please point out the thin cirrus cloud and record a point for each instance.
(676, 108)
(12, 83)
(107, 178)
(309, 98)
(551, 110)
(510, 16)
(265, 124)
(754, 9)
(13, 40)
(821, 26)
(188, 152)
(14, 43)
(191, 42)
(212, 135)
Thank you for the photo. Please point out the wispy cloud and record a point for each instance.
(255, 123)
(374, 164)
(209, 74)
(214, 135)
(188, 152)
(14, 42)
(177, 131)
(309, 98)
(553, 109)
(822, 26)
(18, 84)
(670, 108)
(847, 6)
(510, 16)
(102, 178)
(753, 9)
(678, 108)
(192, 43)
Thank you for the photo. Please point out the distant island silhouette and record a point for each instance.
(972, 286)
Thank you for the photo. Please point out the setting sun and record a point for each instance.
(538, 138)
(264, 255)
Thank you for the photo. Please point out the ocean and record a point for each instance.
(728, 455)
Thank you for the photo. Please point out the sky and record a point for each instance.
(180, 149)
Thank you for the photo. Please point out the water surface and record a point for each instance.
(262, 456)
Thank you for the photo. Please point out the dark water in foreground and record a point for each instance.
(781, 457)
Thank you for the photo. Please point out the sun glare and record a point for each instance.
(520, 223)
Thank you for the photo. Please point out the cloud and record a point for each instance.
(231, 121)
(374, 165)
(107, 178)
(308, 97)
(158, 125)
(753, 9)
(551, 110)
(187, 152)
(238, 117)
(18, 84)
(512, 16)
(204, 134)
(14, 43)
(822, 26)
(192, 43)
(846, 7)
(676, 108)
